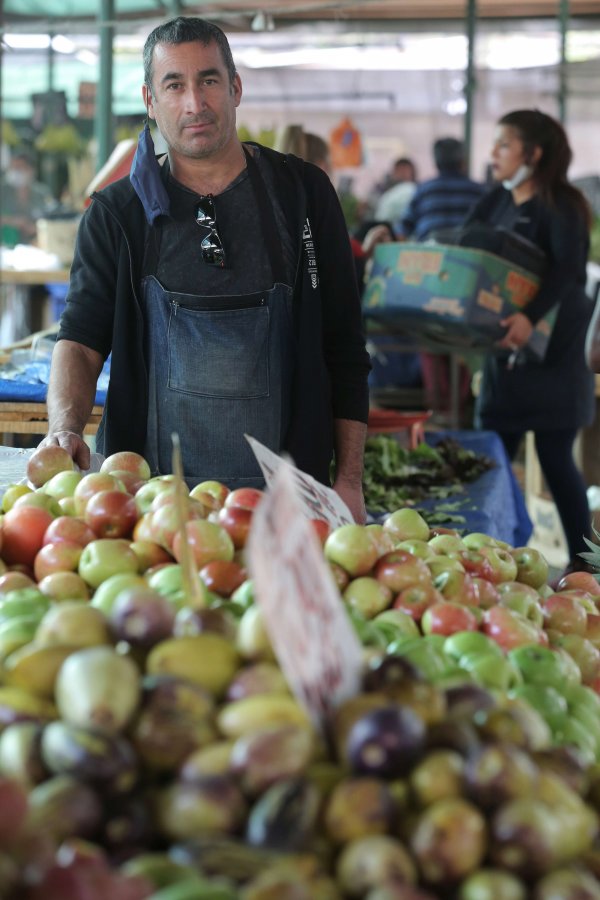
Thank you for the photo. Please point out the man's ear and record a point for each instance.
(147, 98)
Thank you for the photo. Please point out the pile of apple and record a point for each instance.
(148, 717)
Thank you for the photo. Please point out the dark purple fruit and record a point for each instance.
(464, 700)
(385, 741)
(498, 773)
(284, 817)
(449, 841)
(384, 672)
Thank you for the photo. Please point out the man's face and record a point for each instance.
(193, 100)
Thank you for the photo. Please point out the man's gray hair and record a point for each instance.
(185, 30)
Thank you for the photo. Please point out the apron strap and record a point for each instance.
(267, 220)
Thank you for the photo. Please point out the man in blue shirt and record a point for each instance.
(443, 201)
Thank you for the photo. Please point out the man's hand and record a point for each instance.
(518, 333)
(352, 495)
(73, 443)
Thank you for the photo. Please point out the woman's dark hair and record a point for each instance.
(185, 30)
(536, 129)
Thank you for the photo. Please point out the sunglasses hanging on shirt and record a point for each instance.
(213, 252)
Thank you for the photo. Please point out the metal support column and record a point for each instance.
(104, 115)
(470, 79)
(563, 87)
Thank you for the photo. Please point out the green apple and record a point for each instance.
(546, 699)
(399, 621)
(417, 548)
(169, 581)
(407, 524)
(456, 645)
(447, 544)
(12, 494)
(40, 499)
(490, 670)
(106, 593)
(543, 665)
(62, 484)
(367, 596)
(105, 557)
(581, 695)
(524, 604)
(584, 653)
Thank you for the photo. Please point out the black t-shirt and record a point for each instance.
(247, 270)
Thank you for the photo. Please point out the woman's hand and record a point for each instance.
(518, 332)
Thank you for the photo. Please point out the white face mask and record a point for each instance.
(522, 174)
(18, 178)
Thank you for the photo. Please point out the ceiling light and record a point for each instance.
(262, 22)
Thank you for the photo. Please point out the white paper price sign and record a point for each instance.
(316, 500)
(312, 636)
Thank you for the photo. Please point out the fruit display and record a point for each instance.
(150, 746)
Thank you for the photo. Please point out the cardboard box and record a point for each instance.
(451, 297)
(58, 236)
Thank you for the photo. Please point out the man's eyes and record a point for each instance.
(177, 85)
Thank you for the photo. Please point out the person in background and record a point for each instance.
(221, 278)
(443, 201)
(553, 398)
(439, 203)
(307, 146)
(393, 203)
(23, 200)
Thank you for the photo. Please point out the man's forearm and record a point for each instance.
(349, 437)
(72, 388)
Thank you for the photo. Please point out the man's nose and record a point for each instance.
(195, 98)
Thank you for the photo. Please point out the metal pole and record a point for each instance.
(563, 88)
(104, 117)
(470, 80)
(51, 63)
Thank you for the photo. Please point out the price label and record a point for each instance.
(316, 500)
(311, 634)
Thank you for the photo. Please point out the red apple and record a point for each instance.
(206, 541)
(581, 580)
(458, 586)
(127, 461)
(130, 481)
(447, 618)
(508, 628)
(487, 593)
(61, 586)
(415, 600)
(111, 514)
(46, 462)
(236, 521)
(504, 567)
(244, 498)
(223, 577)
(400, 569)
(593, 629)
(322, 529)
(69, 528)
(91, 484)
(23, 531)
(564, 613)
(150, 490)
(60, 557)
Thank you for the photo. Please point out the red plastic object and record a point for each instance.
(390, 421)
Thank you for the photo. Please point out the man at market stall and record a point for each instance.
(220, 276)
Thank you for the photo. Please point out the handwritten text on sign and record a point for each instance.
(316, 500)
(312, 636)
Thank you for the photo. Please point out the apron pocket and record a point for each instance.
(219, 353)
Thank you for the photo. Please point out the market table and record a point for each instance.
(494, 503)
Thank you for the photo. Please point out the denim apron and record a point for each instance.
(219, 367)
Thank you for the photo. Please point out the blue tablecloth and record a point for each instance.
(494, 502)
(29, 383)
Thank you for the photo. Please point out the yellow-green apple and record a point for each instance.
(532, 567)
(439, 564)
(352, 548)
(46, 462)
(106, 592)
(504, 567)
(458, 586)
(417, 548)
(62, 484)
(407, 524)
(211, 494)
(447, 544)
(382, 539)
(583, 652)
(147, 493)
(149, 554)
(169, 581)
(61, 586)
(40, 500)
(105, 557)
(12, 493)
(367, 596)
(475, 540)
